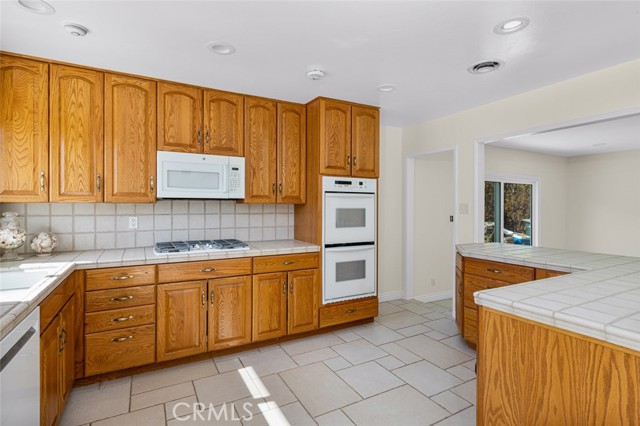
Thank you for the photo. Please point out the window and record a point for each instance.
(510, 211)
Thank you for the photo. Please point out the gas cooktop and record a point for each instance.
(198, 245)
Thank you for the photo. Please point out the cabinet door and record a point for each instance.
(292, 143)
(459, 300)
(179, 118)
(76, 129)
(67, 351)
(223, 123)
(304, 295)
(24, 114)
(182, 319)
(229, 312)
(335, 138)
(269, 306)
(260, 150)
(130, 139)
(365, 141)
(50, 342)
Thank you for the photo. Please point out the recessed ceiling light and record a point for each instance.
(387, 88)
(221, 48)
(511, 26)
(315, 75)
(485, 67)
(76, 30)
(37, 6)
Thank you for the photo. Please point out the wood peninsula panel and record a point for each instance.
(292, 154)
(229, 312)
(260, 150)
(223, 122)
(179, 118)
(130, 139)
(365, 141)
(335, 138)
(76, 134)
(533, 374)
(188, 271)
(24, 115)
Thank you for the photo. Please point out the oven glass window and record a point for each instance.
(351, 218)
(350, 271)
(193, 180)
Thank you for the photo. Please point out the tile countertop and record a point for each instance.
(600, 298)
(17, 304)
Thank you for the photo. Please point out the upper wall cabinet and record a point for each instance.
(260, 148)
(76, 134)
(130, 139)
(223, 123)
(346, 136)
(291, 153)
(179, 118)
(24, 142)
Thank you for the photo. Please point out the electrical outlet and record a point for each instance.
(133, 222)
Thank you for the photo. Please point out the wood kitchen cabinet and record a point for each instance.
(459, 302)
(365, 141)
(269, 306)
(130, 139)
(291, 153)
(76, 134)
(223, 123)
(260, 150)
(24, 137)
(179, 118)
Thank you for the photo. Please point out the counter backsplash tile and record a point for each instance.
(89, 226)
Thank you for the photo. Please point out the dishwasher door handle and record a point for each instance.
(11, 353)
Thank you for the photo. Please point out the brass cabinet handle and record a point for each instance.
(288, 262)
(273, 187)
(121, 299)
(495, 271)
(62, 339)
(211, 296)
(280, 188)
(350, 311)
(98, 182)
(348, 160)
(151, 183)
(42, 181)
(291, 287)
(121, 339)
(199, 136)
(284, 288)
(122, 319)
(354, 160)
(204, 299)
(207, 137)
(208, 270)
(122, 277)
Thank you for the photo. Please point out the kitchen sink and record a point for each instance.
(23, 278)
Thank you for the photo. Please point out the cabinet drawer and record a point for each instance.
(473, 283)
(471, 325)
(192, 271)
(119, 318)
(119, 349)
(54, 302)
(506, 272)
(343, 312)
(289, 262)
(131, 276)
(102, 300)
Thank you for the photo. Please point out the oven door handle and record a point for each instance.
(359, 247)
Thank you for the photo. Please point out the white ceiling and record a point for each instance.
(423, 47)
(620, 134)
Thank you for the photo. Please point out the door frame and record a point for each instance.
(409, 222)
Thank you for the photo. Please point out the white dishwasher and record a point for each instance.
(20, 373)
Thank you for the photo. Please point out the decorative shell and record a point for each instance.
(44, 242)
(11, 235)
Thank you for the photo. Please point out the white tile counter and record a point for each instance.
(600, 298)
(17, 304)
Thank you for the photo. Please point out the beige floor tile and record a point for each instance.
(458, 343)
(152, 416)
(359, 351)
(369, 379)
(172, 376)
(401, 353)
(400, 320)
(436, 335)
(347, 335)
(378, 334)
(466, 391)
(314, 356)
(223, 415)
(334, 418)
(444, 326)
(390, 362)
(266, 363)
(228, 365)
(115, 382)
(162, 395)
(387, 308)
(401, 406)
(417, 308)
(446, 303)
(308, 344)
(414, 330)
(450, 401)
(463, 418)
(222, 388)
(318, 388)
(86, 388)
(471, 365)
(434, 316)
(87, 407)
(292, 414)
(278, 391)
(337, 363)
(433, 351)
(180, 407)
(427, 378)
(462, 373)
(250, 405)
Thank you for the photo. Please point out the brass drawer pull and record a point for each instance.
(122, 277)
(350, 311)
(121, 339)
(208, 270)
(121, 299)
(289, 262)
(495, 271)
(122, 319)
(42, 181)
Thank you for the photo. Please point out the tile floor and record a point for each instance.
(410, 367)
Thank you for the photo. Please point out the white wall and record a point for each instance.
(390, 211)
(552, 189)
(433, 232)
(603, 213)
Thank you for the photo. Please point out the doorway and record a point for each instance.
(431, 228)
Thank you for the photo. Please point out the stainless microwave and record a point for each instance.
(184, 175)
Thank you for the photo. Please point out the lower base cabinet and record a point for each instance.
(229, 312)
(119, 349)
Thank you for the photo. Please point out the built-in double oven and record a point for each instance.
(349, 238)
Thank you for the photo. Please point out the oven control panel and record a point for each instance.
(346, 184)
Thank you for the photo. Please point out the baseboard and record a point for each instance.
(391, 295)
(434, 297)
